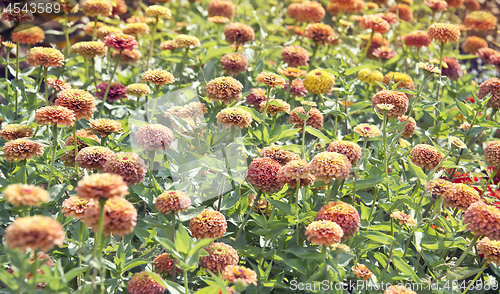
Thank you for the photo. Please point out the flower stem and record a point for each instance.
(52, 160)
(109, 83)
(420, 90)
(186, 282)
(151, 167)
(441, 50)
(66, 34)
(386, 158)
(17, 77)
(96, 19)
(255, 201)
(151, 46)
(174, 269)
(97, 237)
(315, 50)
(367, 46)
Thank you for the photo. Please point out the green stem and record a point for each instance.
(174, 269)
(75, 141)
(66, 34)
(304, 145)
(155, 98)
(328, 189)
(151, 46)
(109, 83)
(441, 51)
(52, 160)
(23, 169)
(186, 284)
(367, 46)
(315, 50)
(268, 93)
(255, 201)
(93, 73)
(97, 236)
(386, 158)
(45, 70)
(94, 33)
(35, 271)
(17, 77)
(420, 90)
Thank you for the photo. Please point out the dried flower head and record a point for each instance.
(15, 131)
(490, 86)
(136, 29)
(318, 32)
(425, 156)
(263, 174)
(74, 207)
(142, 283)
(410, 126)
(21, 149)
(120, 216)
(315, 119)
(138, 90)
(384, 52)
(187, 41)
(128, 165)
(26, 195)
(104, 126)
(234, 116)
(175, 201)
(324, 232)
(472, 44)
(34, 232)
(351, 150)
(483, 220)
(275, 106)
(81, 102)
(208, 224)
(330, 165)
(164, 264)
(48, 57)
(224, 89)
(399, 289)
(417, 39)
(375, 23)
(238, 33)
(234, 63)
(89, 49)
(28, 35)
(120, 41)
(370, 76)
(236, 273)
(405, 12)
(295, 171)
(94, 157)
(154, 137)
(319, 81)
(367, 130)
(397, 99)
(480, 20)
(97, 8)
(345, 215)
(219, 256)
(224, 8)
(157, 77)
(443, 32)
(295, 55)
(169, 45)
(490, 249)
(158, 11)
(361, 271)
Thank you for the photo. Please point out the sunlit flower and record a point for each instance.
(26, 195)
(94, 157)
(330, 165)
(97, 8)
(256, 96)
(89, 49)
(318, 32)
(374, 23)
(234, 116)
(187, 41)
(377, 41)
(370, 76)
(345, 215)
(234, 63)
(404, 80)
(483, 220)
(472, 44)
(164, 264)
(425, 156)
(120, 41)
(21, 149)
(492, 153)
(405, 12)
(464, 126)
(279, 154)
(17, 15)
(398, 99)
(128, 165)
(128, 56)
(119, 7)
(384, 52)
(208, 224)
(224, 89)
(263, 174)
(34, 232)
(275, 106)
(297, 88)
(158, 77)
(417, 39)
(367, 130)
(15, 131)
(490, 86)
(138, 89)
(480, 20)
(438, 187)
(324, 232)
(452, 69)
(351, 150)
(219, 256)
(295, 55)
(69, 157)
(292, 72)
(120, 216)
(74, 207)
(28, 35)
(81, 102)
(489, 56)
(117, 91)
(315, 119)
(239, 33)
(443, 32)
(403, 218)
(490, 249)
(361, 271)
(295, 171)
(105, 31)
(309, 11)
(460, 196)
(57, 84)
(169, 45)
(410, 126)
(103, 185)
(319, 81)
(142, 283)
(175, 201)
(104, 126)
(218, 19)
(429, 70)
(235, 273)
(158, 11)
(140, 18)
(224, 8)
(136, 29)
(154, 137)
(48, 57)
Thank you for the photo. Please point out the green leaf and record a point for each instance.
(71, 274)
(317, 134)
(465, 109)
(182, 240)
(285, 207)
(368, 183)
(445, 244)
(378, 237)
(200, 244)
(133, 263)
(405, 268)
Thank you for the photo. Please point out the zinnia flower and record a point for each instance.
(104, 126)
(223, 8)
(105, 31)
(492, 153)
(367, 131)
(405, 12)
(425, 156)
(472, 44)
(218, 19)
(103, 185)
(219, 256)
(384, 53)
(175, 201)
(443, 32)
(120, 216)
(136, 29)
(490, 86)
(208, 224)
(460, 196)
(138, 90)
(345, 215)
(374, 23)
(48, 57)
(128, 56)
(351, 150)
(164, 264)
(438, 186)
(256, 97)
(17, 15)
(21, 149)
(483, 220)
(158, 11)
(187, 41)
(279, 154)
(274, 106)
(315, 119)
(263, 174)
(239, 33)
(397, 99)
(309, 11)
(154, 137)
(26, 195)
(295, 171)
(234, 116)
(97, 8)
(330, 165)
(89, 49)
(157, 77)
(452, 69)
(169, 45)
(271, 80)
(417, 39)
(404, 80)
(361, 271)
(318, 32)
(480, 20)
(490, 249)
(324, 232)
(234, 63)
(34, 232)
(128, 165)
(472, 5)
(142, 283)
(295, 56)
(403, 218)
(15, 131)
(319, 81)
(94, 157)
(121, 41)
(57, 84)
(74, 206)
(410, 126)
(235, 273)
(370, 76)
(224, 89)
(398, 289)
(116, 92)
(292, 72)
(81, 102)
(297, 88)
(28, 35)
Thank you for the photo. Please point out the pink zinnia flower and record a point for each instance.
(117, 91)
(121, 41)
